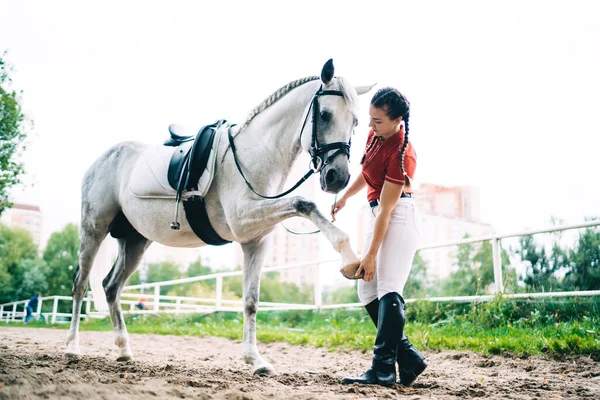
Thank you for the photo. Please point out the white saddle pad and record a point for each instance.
(149, 177)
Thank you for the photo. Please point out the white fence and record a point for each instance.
(158, 303)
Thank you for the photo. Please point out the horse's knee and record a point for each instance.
(303, 206)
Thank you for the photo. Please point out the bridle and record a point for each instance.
(316, 151)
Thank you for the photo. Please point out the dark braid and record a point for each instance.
(404, 145)
(395, 106)
(362, 160)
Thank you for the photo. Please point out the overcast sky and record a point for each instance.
(505, 95)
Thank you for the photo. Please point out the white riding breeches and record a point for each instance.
(395, 256)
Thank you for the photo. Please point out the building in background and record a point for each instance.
(458, 202)
(26, 216)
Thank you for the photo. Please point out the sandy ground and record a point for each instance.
(175, 367)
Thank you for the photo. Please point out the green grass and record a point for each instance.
(552, 328)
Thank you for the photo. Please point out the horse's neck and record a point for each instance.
(274, 134)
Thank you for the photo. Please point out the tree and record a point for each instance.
(12, 134)
(484, 259)
(61, 256)
(16, 246)
(463, 281)
(584, 262)
(273, 290)
(343, 295)
(164, 271)
(475, 271)
(540, 273)
(161, 272)
(197, 269)
(34, 278)
(417, 285)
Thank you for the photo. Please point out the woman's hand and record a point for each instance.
(337, 206)
(367, 264)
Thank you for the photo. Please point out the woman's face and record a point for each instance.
(381, 124)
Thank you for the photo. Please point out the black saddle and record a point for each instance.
(191, 156)
(178, 136)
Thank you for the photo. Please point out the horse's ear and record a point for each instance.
(327, 72)
(364, 89)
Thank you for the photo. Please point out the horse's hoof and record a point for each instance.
(266, 370)
(125, 358)
(69, 354)
(72, 351)
(349, 271)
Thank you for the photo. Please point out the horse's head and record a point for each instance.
(334, 111)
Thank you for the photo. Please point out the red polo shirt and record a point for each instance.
(382, 163)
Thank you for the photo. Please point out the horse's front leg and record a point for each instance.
(254, 253)
(271, 212)
(338, 239)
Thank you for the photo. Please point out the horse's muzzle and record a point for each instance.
(333, 180)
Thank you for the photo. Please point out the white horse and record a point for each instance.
(266, 146)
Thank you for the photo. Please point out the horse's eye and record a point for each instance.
(326, 115)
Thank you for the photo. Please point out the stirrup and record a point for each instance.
(175, 225)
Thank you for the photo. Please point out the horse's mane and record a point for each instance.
(349, 94)
(272, 99)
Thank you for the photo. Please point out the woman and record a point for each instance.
(388, 166)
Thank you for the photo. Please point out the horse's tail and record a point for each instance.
(100, 268)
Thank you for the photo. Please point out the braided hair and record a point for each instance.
(395, 105)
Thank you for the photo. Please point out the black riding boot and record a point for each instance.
(410, 362)
(368, 377)
(373, 310)
(389, 332)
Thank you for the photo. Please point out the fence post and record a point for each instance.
(1, 313)
(156, 297)
(54, 310)
(219, 299)
(39, 307)
(14, 311)
(177, 306)
(497, 261)
(318, 290)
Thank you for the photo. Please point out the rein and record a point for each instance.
(316, 151)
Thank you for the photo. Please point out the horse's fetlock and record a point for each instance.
(251, 308)
(121, 341)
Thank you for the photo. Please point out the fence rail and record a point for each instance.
(16, 311)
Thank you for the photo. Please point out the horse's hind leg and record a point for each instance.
(91, 236)
(253, 260)
(131, 250)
